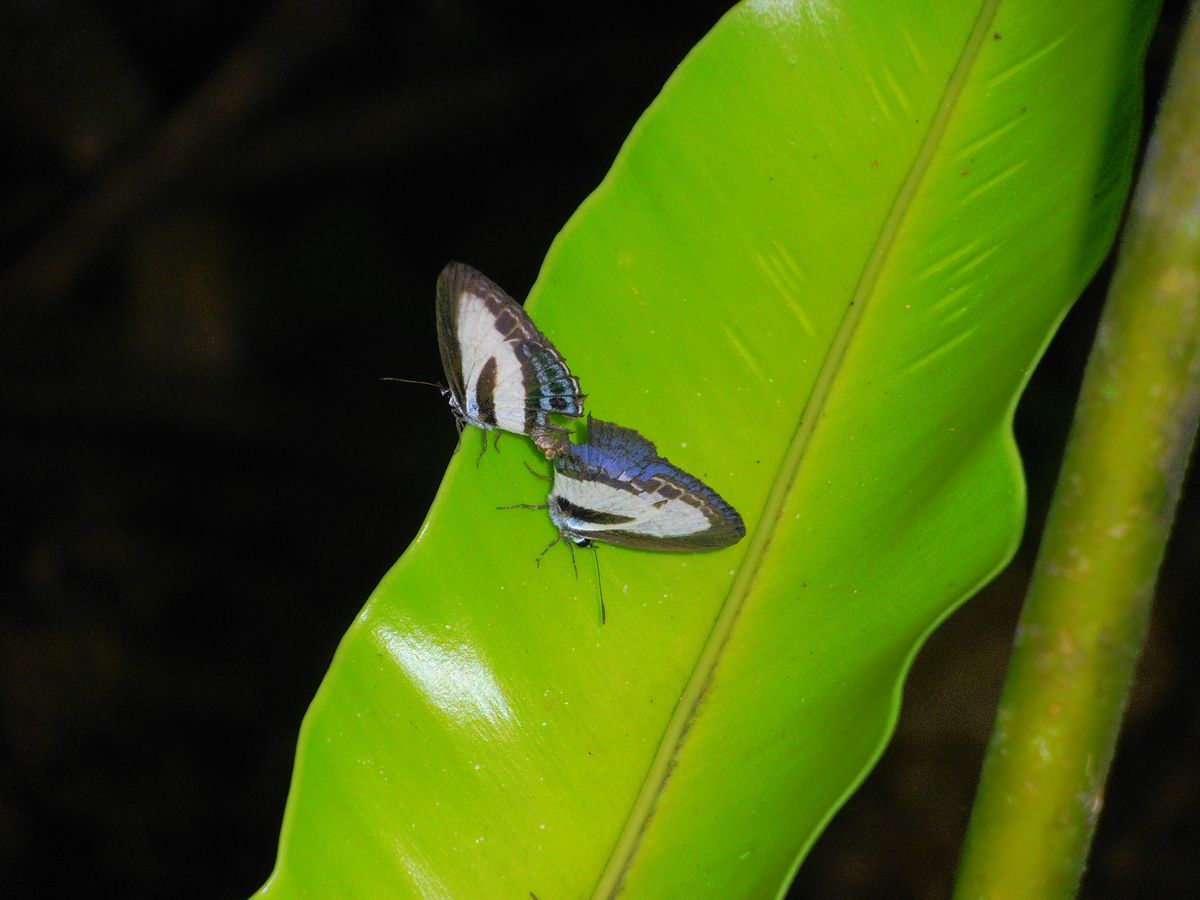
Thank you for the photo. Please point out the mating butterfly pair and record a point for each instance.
(505, 375)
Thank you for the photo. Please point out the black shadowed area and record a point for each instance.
(220, 227)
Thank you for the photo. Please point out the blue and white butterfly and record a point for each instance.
(503, 373)
(615, 488)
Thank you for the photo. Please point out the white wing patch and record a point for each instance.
(674, 518)
(479, 341)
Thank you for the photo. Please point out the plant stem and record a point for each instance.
(1085, 615)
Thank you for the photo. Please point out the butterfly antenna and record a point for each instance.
(599, 585)
(535, 473)
(440, 387)
(538, 561)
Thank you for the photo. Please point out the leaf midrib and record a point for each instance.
(658, 774)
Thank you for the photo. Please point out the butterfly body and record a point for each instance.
(502, 372)
(617, 489)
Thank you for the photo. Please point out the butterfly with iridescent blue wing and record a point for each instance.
(503, 373)
(615, 488)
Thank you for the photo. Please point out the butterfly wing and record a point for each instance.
(616, 488)
(449, 288)
(502, 372)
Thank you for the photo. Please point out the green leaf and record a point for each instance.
(817, 276)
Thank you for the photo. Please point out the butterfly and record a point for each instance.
(615, 488)
(503, 373)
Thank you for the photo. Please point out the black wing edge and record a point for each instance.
(716, 538)
(457, 277)
(450, 283)
(608, 441)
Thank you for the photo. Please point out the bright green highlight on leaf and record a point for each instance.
(817, 277)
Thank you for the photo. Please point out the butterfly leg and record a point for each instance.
(526, 506)
(482, 450)
(458, 429)
(536, 474)
(538, 561)
(496, 440)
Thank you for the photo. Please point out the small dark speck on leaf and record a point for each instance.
(995, 35)
(966, 171)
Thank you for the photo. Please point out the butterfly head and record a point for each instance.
(460, 416)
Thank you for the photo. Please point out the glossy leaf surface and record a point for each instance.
(817, 276)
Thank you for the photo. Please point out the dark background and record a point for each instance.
(221, 222)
